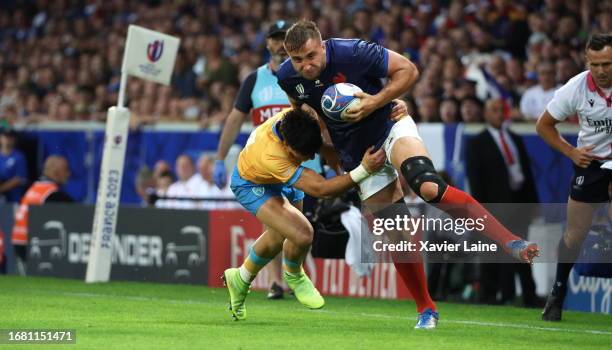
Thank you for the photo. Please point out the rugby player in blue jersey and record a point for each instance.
(315, 65)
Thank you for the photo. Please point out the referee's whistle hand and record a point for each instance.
(582, 156)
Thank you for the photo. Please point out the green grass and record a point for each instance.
(123, 315)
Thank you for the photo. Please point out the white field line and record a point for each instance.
(336, 312)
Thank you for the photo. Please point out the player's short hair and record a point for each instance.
(599, 41)
(299, 33)
(301, 132)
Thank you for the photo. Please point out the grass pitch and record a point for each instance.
(123, 315)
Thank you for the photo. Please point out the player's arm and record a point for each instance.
(237, 116)
(546, 128)
(401, 74)
(230, 132)
(317, 186)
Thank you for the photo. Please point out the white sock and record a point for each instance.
(245, 275)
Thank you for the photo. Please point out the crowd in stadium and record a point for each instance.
(61, 60)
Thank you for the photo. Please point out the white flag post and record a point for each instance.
(149, 55)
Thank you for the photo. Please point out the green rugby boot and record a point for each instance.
(304, 290)
(238, 290)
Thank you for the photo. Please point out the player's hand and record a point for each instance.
(220, 174)
(366, 105)
(373, 162)
(582, 156)
(399, 111)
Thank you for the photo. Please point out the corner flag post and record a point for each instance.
(148, 55)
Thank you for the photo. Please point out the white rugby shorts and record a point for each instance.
(379, 180)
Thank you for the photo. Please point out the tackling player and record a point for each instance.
(315, 65)
(261, 98)
(588, 94)
(269, 181)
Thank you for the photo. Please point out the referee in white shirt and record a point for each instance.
(588, 95)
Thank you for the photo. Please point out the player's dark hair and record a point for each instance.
(299, 33)
(301, 132)
(599, 41)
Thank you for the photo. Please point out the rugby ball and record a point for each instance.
(338, 98)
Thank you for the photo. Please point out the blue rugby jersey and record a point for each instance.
(352, 61)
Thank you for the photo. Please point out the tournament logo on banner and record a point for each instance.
(150, 55)
(155, 50)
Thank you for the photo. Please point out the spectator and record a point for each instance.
(13, 169)
(566, 68)
(182, 188)
(145, 184)
(163, 181)
(535, 99)
(471, 110)
(449, 111)
(428, 109)
(204, 187)
(202, 183)
(161, 166)
(499, 172)
(47, 189)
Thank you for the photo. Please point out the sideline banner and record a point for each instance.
(155, 245)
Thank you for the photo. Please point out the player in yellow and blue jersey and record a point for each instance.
(269, 181)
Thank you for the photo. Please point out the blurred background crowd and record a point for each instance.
(60, 60)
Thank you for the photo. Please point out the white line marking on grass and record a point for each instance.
(475, 323)
(337, 312)
(513, 325)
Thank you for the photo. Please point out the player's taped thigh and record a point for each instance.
(419, 170)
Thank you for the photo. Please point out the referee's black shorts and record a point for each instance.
(591, 184)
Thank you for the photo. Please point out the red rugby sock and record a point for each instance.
(413, 276)
(468, 207)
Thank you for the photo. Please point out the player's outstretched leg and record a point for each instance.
(300, 283)
(238, 280)
(422, 177)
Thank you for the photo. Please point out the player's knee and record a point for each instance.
(304, 236)
(423, 179)
(429, 191)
